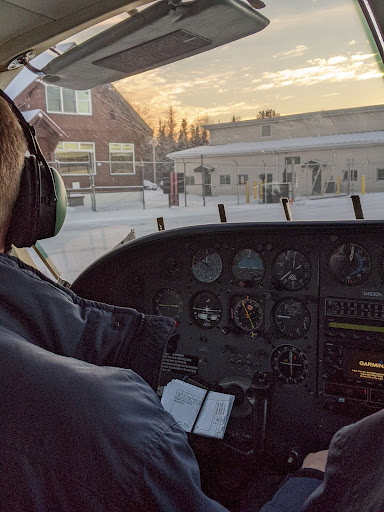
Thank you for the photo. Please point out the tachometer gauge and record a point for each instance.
(292, 318)
(168, 302)
(290, 364)
(206, 265)
(206, 310)
(350, 264)
(292, 270)
(248, 314)
(248, 267)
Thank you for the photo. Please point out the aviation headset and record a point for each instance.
(41, 204)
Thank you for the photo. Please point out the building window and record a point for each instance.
(189, 180)
(289, 160)
(67, 101)
(243, 178)
(122, 158)
(266, 130)
(380, 174)
(225, 179)
(352, 175)
(75, 158)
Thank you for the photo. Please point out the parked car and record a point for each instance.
(149, 185)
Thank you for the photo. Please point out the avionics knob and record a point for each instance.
(234, 389)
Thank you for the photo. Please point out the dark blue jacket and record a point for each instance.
(54, 318)
(75, 436)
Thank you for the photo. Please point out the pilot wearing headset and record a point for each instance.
(80, 427)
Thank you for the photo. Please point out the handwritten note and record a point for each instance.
(188, 403)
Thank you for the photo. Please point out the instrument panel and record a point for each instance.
(298, 306)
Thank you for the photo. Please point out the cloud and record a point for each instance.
(297, 52)
(334, 69)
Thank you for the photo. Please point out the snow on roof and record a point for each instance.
(30, 115)
(26, 77)
(272, 146)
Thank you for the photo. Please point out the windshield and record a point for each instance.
(293, 111)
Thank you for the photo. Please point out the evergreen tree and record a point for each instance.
(204, 137)
(182, 141)
(170, 124)
(196, 139)
(192, 134)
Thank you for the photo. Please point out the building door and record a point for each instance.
(316, 180)
(267, 196)
(207, 184)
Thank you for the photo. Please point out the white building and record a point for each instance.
(312, 152)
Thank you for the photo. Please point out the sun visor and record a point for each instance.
(152, 38)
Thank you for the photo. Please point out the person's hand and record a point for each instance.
(316, 460)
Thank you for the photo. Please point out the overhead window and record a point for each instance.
(266, 130)
(225, 179)
(75, 158)
(121, 156)
(67, 101)
(289, 160)
(380, 174)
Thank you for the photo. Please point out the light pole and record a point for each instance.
(154, 144)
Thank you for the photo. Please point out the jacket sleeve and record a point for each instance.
(293, 493)
(56, 319)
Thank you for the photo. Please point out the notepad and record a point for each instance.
(196, 409)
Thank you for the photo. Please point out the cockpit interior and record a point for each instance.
(286, 316)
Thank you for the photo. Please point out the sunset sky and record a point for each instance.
(314, 55)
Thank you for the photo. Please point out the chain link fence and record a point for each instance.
(204, 180)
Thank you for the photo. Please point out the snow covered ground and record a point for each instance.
(87, 235)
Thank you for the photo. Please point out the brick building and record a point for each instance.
(92, 137)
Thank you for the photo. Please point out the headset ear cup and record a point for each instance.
(25, 213)
(40, 207)
(61, 203)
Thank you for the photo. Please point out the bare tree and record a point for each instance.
(270, 112)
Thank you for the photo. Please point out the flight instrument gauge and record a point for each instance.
(289, 364)
(168, 302)
(292, 270)
(248, 314)
(206, 309)
(350, 264)
(248, 267)
(206, 265)
(292, 318)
